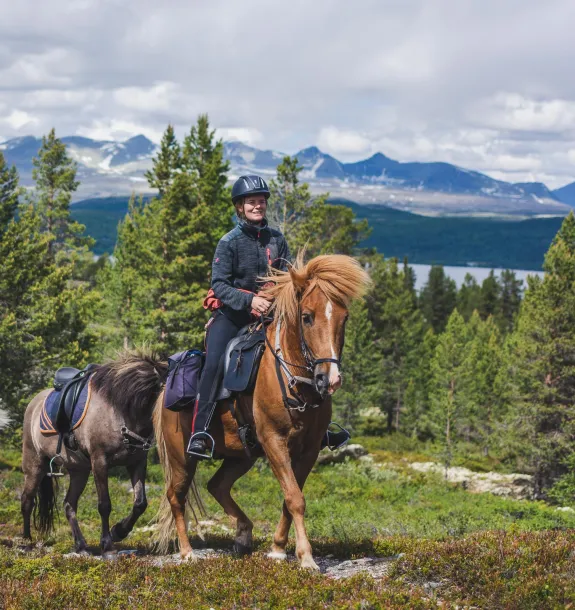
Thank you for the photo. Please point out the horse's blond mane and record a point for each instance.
(341, 278)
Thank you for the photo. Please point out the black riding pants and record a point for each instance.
(223, 327)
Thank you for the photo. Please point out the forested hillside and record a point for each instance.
(449, 240)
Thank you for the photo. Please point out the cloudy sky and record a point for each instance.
(485, 84)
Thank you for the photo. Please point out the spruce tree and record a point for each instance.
(510, 300)
(468, 297)
(438, 298)
(167, 163)
(288, 200)
(9, 193)
(544, 418)
(448, 406)
(489, 300)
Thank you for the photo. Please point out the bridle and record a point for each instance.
(296, 402)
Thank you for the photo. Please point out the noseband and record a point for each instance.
(296, 402)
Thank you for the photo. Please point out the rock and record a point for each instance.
(565, 509)
(513, 485)
(354, 452)
(377, 567)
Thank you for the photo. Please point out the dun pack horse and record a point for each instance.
(289, 409)
(116, 430)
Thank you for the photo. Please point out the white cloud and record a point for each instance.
(247, 135)
(113, 129)
(19, 119)
(343, 142)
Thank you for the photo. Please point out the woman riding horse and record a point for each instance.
(242, 255)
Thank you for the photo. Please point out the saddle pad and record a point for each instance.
(50, 410)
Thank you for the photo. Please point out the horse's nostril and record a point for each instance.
(321, 380)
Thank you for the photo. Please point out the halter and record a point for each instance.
(297, 402)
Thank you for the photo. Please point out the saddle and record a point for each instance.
(238, 369)
(69, 382)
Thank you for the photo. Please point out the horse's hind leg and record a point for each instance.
(78, 480)
(100, 470)
(138, 477)
(220, 486)
(34, 472)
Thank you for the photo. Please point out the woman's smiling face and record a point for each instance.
(254, 208)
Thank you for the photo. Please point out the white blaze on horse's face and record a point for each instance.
(323, 323)
(334, 374)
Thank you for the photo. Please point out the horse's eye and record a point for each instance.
(307, 319)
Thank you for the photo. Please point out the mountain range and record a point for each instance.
(110, 168)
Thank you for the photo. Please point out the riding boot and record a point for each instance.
(201, 443)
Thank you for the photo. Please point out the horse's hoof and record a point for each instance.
(110, 555)
(242, 549)
(277, 555)
(189, 557)
(309, 564)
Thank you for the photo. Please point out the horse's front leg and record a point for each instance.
(100, 470)
(302, 466)
(137, 474)
(279, 458)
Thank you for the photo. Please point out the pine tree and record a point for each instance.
(203, 160)
(55, 176)
(544, 418)
(9, 193)
(448, 414)
(308, 221)
(510, 300)
(359, 368)
(489, 301)
(165, 248)
(482, 392)
(468, 297)
(288, 200)
(438, 298)
(167, 163)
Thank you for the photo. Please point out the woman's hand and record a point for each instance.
(260, 304)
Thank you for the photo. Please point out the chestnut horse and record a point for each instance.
(310, 310)
(116, 431)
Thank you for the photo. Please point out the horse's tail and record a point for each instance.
(45, 507)
(173, 473)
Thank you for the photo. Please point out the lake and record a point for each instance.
(458, 274)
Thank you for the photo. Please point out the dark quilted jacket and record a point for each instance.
(242, 255)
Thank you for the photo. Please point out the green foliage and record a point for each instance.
(468, 297)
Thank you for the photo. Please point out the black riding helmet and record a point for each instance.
(249, 185)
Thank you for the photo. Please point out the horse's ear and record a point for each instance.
(298, 279)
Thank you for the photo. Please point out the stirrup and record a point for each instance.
(56, 473)
(205, 435)
(333, 447)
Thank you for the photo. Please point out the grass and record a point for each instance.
(457, 548)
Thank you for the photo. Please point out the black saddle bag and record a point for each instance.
(244, 362)
(184, 371)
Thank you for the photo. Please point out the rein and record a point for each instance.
(145, 444)
(296, 402)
